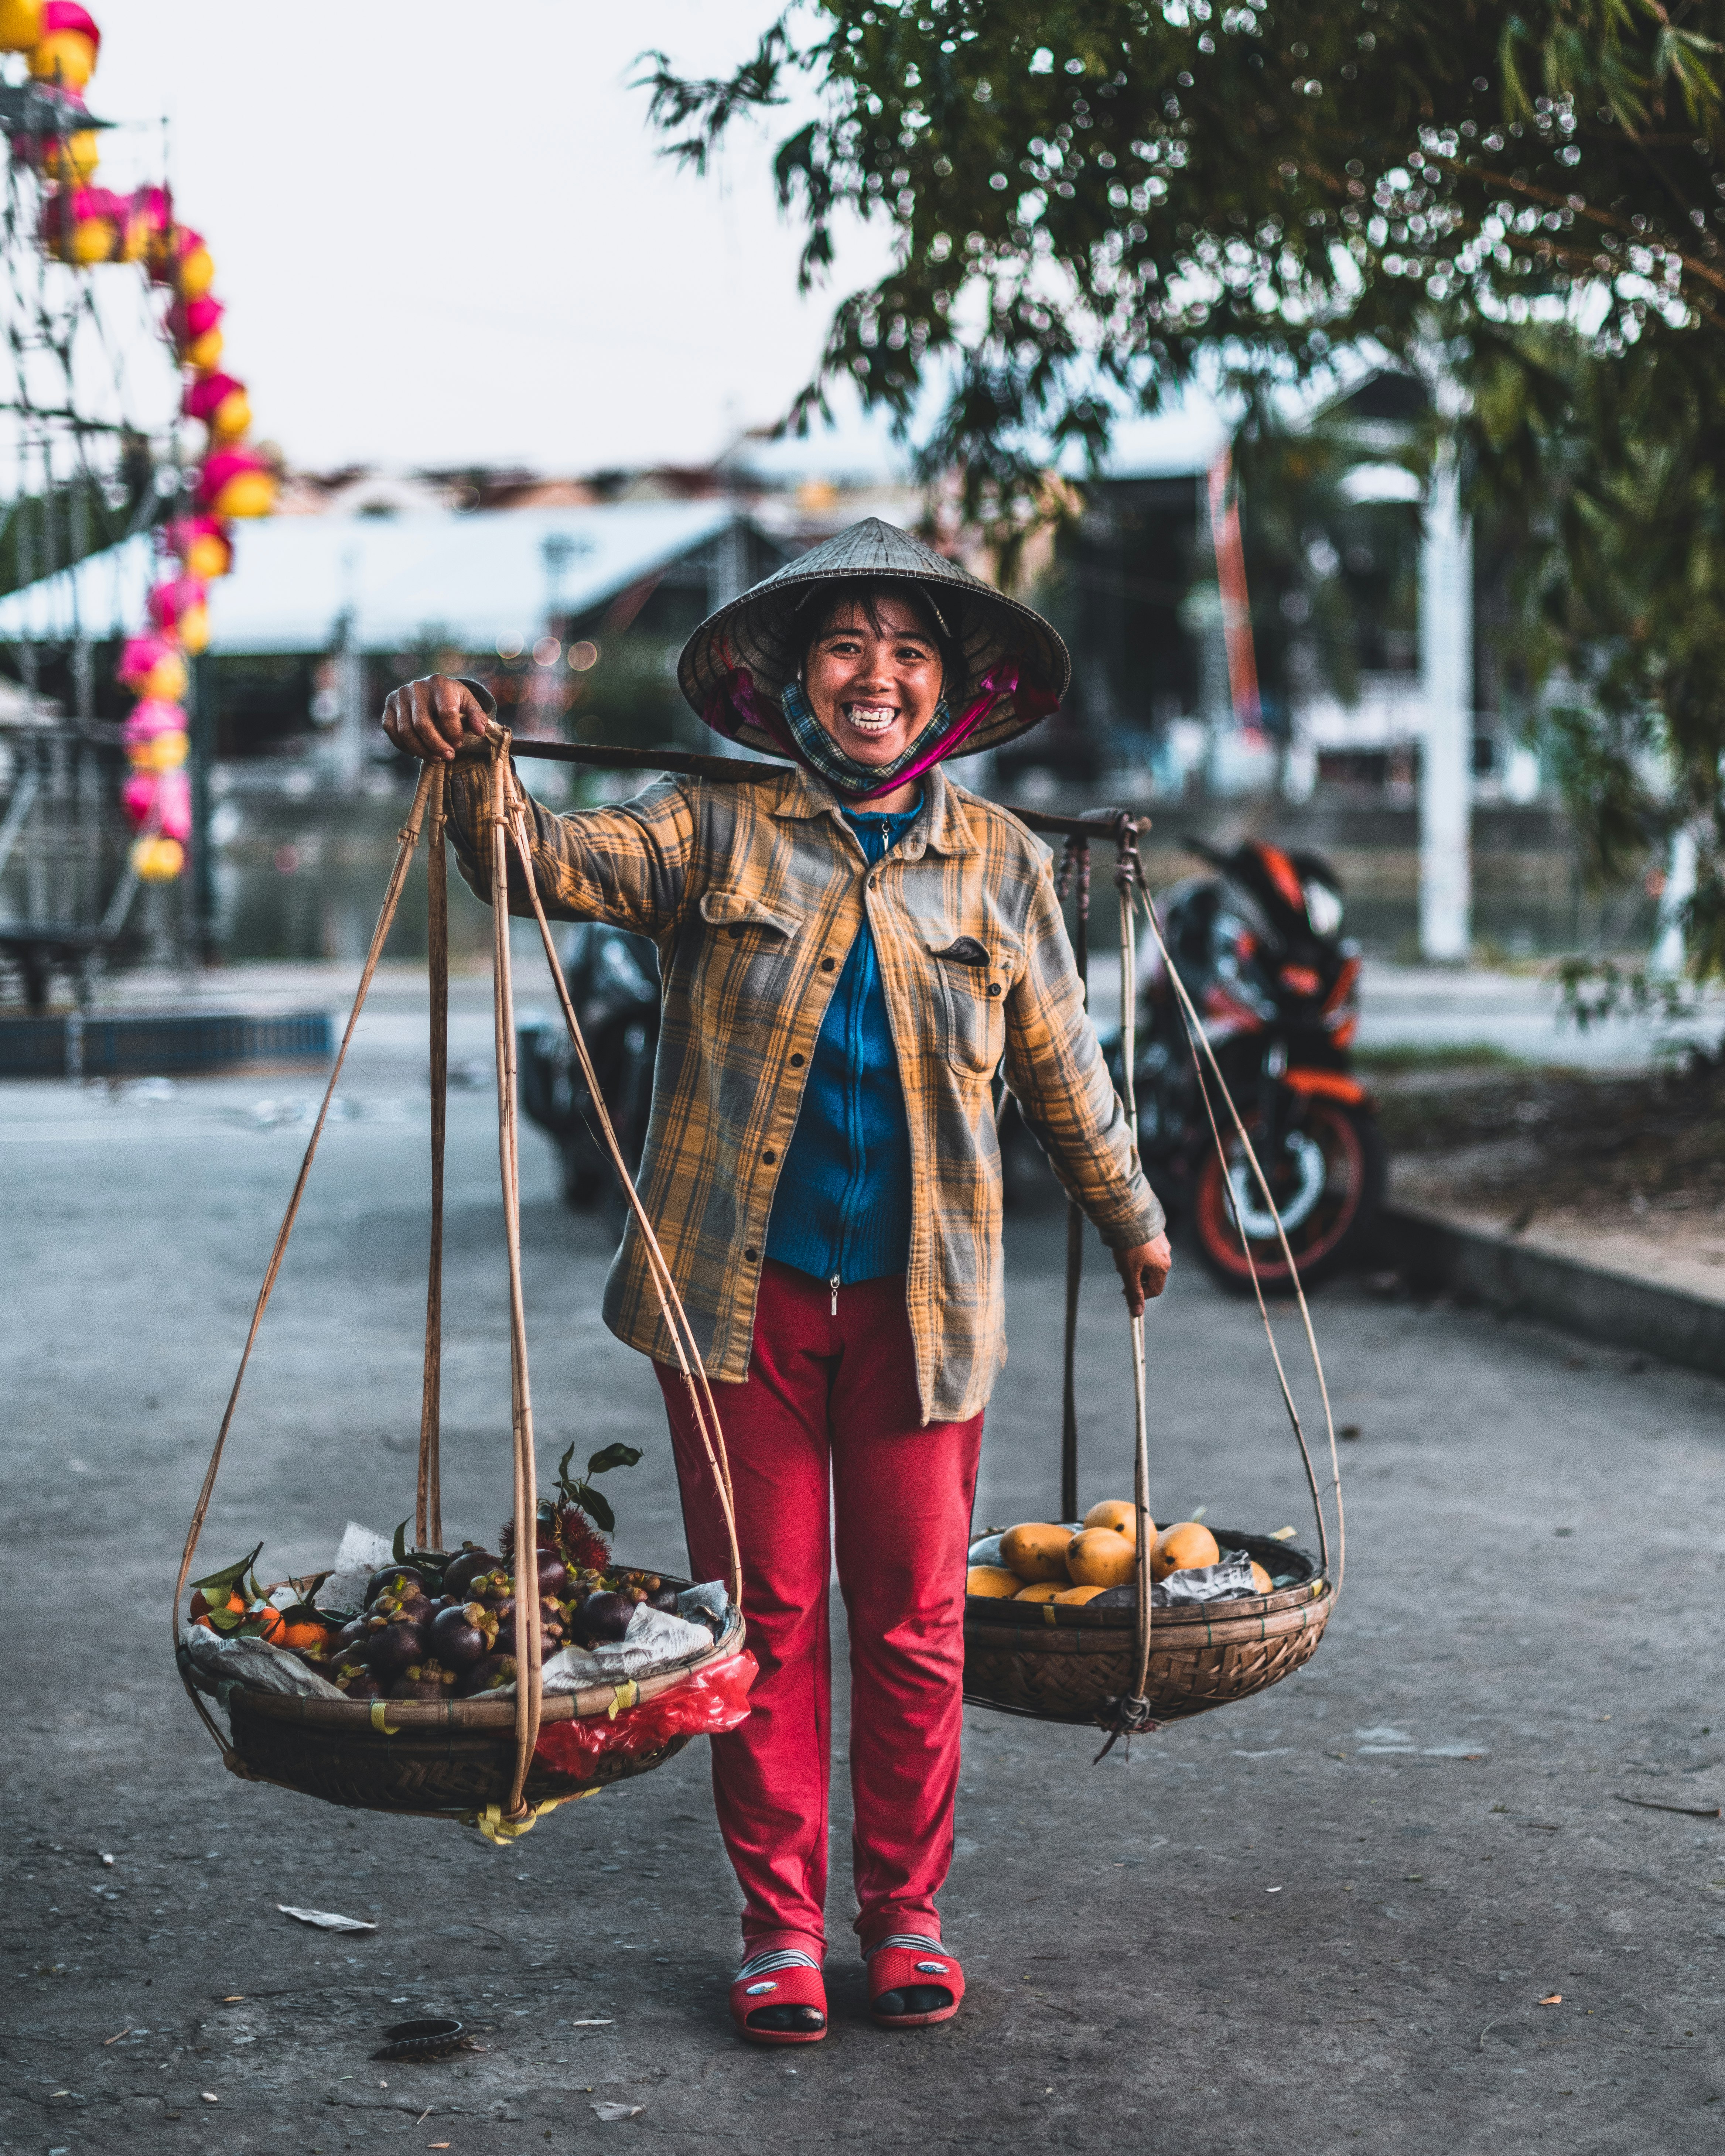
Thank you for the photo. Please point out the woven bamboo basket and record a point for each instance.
(1059, 1662)
(474, 1759)
(434, 1758)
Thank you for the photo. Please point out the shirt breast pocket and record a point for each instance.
(973, 977)
(746, 957)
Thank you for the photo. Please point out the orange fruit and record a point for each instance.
(307, 1633)
(991, 1579)
(1079, 1594)
(1261, 1579)
(1042, 1590)
(1100, 1557)
(1185, 1546)
(1036, 1551)
(1115, 1512)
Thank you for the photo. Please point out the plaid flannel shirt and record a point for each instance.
(754, 892)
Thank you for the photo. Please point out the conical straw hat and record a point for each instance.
(767, 632)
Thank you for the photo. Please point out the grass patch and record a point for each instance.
(1446, 1055)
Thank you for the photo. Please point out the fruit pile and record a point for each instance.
(1041, 1561)
(435, 1625)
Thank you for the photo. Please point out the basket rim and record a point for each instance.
(1316, 1585)
(496, 1715)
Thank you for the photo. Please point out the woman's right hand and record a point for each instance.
(428, 718)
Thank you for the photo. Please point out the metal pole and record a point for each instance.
(202, 698)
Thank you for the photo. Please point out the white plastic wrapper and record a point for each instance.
(361, 1553)
(1211, 1583)
(254, 1663)
(654, 1637)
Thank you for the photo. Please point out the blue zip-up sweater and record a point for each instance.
(842, 1209)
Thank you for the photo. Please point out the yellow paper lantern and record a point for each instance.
(247, 494)
(204, 352)
(20, 25)
(193, 629)
(165, 753)
(194, 273)
(73, 158)
(94, 239)
(166, 680)
(66, 57)
(157, 860)
(208, 556)
(231, 418)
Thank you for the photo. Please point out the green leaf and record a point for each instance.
(218, 1586)
(399, 1547)
(597, 1510)
(563, 1482)
(613, 1455)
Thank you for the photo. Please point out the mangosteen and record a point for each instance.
(486, 1676)
(393, 1648)
(415, 1608)
(426, 1680)
(602, 1617)
(356, 1630)
(457, 1638)
(662, 1598)
(393, 1579)
(461, 1571)
(553, 1573)
(363, 1685)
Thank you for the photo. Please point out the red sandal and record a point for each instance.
(769, 1983)
(907, 1963)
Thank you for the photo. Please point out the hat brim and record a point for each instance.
(765, 633)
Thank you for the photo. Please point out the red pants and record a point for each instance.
(834, 1399)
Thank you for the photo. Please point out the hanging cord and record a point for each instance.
(428, 1507)
(408, 838)
(528, 1686)
(1202, 1053)
(687, 1350)
(1130, 1714)
(1075, 865)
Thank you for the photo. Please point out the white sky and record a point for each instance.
(444, 235)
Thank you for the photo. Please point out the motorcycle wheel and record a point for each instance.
(1325, 1230)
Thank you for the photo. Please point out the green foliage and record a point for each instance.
(1089, 197)
(1092, 202)
(581, 1492)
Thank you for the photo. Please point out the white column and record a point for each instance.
(1446, 767)
(1667, 960)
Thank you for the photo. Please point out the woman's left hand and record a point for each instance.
(1144, 1268)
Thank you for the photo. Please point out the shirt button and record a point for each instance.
(751, 1257)
(993, 987)
(737, 932)
(769, 1157)
(796, 1063)
(827, 965)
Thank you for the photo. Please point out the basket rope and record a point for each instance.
(1203, 1053)
(506, 819)
(1129, 1713)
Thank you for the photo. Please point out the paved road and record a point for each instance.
(1324, 1919)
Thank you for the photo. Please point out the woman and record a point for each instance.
(852, 947)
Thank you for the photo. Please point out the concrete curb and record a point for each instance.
(1434, 1251)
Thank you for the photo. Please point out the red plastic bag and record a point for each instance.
(713, 1699)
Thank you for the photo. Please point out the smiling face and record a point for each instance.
(873, 685)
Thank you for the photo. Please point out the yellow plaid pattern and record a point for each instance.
(754, 893)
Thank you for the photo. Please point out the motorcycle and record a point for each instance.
(1258, 947)
(613, 979)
